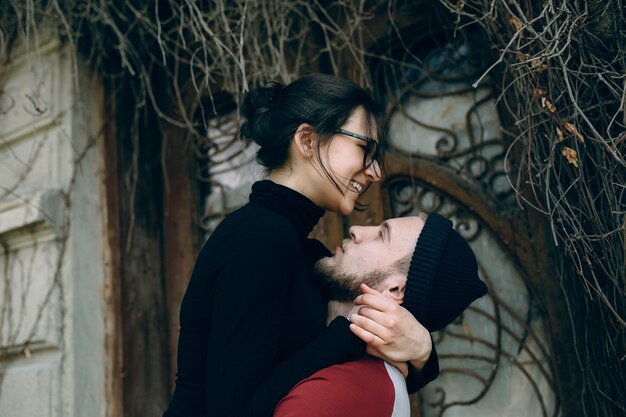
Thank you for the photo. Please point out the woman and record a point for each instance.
(253, 319)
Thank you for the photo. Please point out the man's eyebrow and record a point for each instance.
(386, 231)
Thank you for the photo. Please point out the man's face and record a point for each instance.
(371, 255)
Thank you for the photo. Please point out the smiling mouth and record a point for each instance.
(357, 186)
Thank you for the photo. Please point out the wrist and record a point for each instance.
(421, 356)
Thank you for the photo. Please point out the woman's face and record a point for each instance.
(343, 158)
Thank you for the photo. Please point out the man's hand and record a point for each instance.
(390, 329)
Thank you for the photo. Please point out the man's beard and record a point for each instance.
(343, 286)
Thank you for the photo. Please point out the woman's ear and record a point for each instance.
(305, 140)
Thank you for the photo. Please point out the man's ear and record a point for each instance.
(393, 288)
(305, 140)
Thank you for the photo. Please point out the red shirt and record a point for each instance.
(363, 388)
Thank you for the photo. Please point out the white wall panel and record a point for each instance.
(51, 271)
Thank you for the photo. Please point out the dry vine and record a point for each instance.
(562, 65)
(564, 93)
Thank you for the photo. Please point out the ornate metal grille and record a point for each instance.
(436, 114)
(496, 352)
(494, 359)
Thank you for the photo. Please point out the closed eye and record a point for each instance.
(385, 229)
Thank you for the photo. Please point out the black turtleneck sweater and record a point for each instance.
(252, 321)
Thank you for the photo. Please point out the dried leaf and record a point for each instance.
(516, 23)
(571, 128)
(559, 133)
(545, 103)
(537, 63)
(571, 156)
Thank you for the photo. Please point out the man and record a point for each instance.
(419, 262)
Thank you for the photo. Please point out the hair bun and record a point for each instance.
(256, 104)
(274, 93)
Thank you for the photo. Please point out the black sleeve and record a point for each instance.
(247, 322)
(418, 379)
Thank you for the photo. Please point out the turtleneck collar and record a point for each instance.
(297, 208)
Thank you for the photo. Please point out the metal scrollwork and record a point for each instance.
(7, 102)
(527, 354)
(408, 197)
(494, 359)
(436, 113)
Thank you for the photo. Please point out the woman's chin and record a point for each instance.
(343, 204)
(347, 207)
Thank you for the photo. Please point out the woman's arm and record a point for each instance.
(420, 377)
(247, 324)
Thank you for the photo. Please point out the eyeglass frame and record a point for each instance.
(369, 141)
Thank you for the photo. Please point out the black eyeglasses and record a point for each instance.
(372, 150)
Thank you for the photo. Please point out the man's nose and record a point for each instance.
(353, 233)
(360, 233)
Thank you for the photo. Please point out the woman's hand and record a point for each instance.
(401, 366)
(390, 330)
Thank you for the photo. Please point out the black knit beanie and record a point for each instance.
(443, 275)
